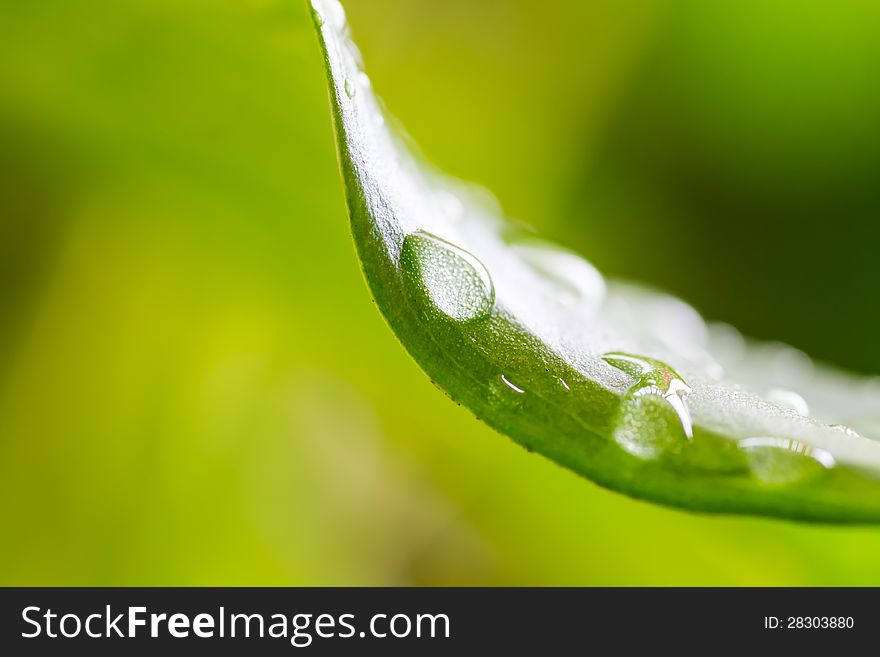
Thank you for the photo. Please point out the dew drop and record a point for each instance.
(506, 393)
(332, 11)
(317, 17)
(349, 87)
(654, 377)
(781, 461)
(455, 281)
(849, 431)
(449, 205)
(575, 279)
(714, 369)
(512, 386)
(789, 399)
(644, 426)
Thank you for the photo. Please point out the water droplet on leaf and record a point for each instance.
(781, 461)
(455, 281)
(330, 11)
(849, 431)
(790, 399)
(575, 279)
(510, 385)
(349, 87)
(645, 427)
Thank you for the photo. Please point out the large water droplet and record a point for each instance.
(654, 377)
(350, 89)
(575, 279)
(455, 281)
(644, 426)
(781, 461)
(789, 399)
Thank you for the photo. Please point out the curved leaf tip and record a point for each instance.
(629, 388)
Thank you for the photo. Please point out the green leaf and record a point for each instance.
(625, 386)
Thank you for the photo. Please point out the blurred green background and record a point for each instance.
(194, 385)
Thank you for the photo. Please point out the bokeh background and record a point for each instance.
(194, 386)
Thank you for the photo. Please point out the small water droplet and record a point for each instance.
(780, 461)
(332, 11)
(449, 205)
(575, 279)
(317, 17)
(455, 281)
(789, 399)
(644, 426)
(714, 369)
(849, 431)
(564, 384)
(510, 385)
(349, 87)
